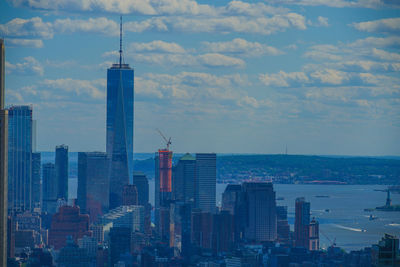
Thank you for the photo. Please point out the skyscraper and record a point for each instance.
(49, 188)
(184, 178)
(19, 158)
(36, 188)
(302, 223)
(93, 184)
(62, 171)
(205, 182)
(119, 147)
(261, 212)
(142, 185)
(3, 162)
(165, 175)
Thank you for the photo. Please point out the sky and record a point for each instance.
(310, 76)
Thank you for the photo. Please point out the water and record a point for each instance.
(347, 223)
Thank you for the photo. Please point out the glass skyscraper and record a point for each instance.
(19, 158)
(119, 148)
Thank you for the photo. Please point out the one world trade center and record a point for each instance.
(119, 148)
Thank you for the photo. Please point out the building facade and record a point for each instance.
(205, 182)
(49, 189)
(62, 171)
(261, 212)
(93, 184)
(19, 158)
(36, 173)
(184, 179)
(302, 223)
(119, 142)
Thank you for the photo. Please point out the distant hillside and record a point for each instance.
(298, 168)
(282, 168)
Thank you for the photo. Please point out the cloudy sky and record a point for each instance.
(317, 76)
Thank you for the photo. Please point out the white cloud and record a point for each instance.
(322, 21)
(330, 76)
(323, 52)
(144, 7)
(36, 43)
(92, 25)
(242, 46)
(384, 55)
(30, 66)
(284, 79)
(33, 28)
(377, 42)
(93, 88)
(157, 46)
(391, 25)
(343, 3)
(218, 60)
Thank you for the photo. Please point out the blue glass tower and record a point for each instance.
(120, 97)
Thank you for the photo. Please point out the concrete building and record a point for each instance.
(302, 223)
(36, 187)
(132, 217)
(68, 222)
(142, 186)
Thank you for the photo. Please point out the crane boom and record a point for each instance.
(167, 141)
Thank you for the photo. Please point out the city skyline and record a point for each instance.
(244, 80)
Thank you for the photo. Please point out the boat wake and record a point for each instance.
(349, 228)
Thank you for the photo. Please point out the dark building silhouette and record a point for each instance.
(205, 182)
(130, 195)
(283, 228)
(302, 223)
(184, 179)
(120, 243)
(3, 161)
(73, 256)
(230, 197)
(223, 235)
(36, 173)
(387, 252)
(93, 183)
(49, 188)
(68, 222)
(181, 228)
(61, 165)
(260, 207)
(19, 158)
(142, 186)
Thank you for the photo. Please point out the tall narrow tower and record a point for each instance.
(3, 162)
(119, 147)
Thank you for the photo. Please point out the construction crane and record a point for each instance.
(333, 243)
(168, 141)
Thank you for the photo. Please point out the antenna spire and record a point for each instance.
(120, 42)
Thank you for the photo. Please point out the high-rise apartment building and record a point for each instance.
(183, 177)
(93, 184)
(62, 171)
(36, 188)
(19, 158)
(302, 223)
(283, 228)
(261, 211)
(313, 243)
(49, 188)
(205, 182)
(3, 161)
(130, 195)
(119, 143)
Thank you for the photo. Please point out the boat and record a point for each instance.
(327, 210)
(372, 217)
(322, 196)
